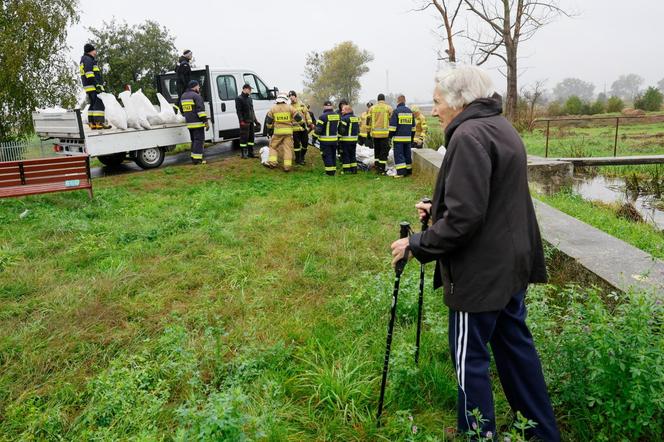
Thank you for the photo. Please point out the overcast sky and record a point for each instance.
(607, 38)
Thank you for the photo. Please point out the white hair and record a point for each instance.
(461, 85)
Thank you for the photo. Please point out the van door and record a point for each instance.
(262, 97)
(227, 125)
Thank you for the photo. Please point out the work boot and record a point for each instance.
(250, 152)
(244, 153)
(104, 126)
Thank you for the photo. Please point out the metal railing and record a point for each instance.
(566, 119)
(24, 150)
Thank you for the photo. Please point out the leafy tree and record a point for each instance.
(651, 100)
(660, 85)
(574, 87)
(33, 54)
(574, 106)
(615, 104)
(134, 54)
(335, 74)
(627, 86)
(597, 107)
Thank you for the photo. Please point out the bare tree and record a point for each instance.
(532, 96)
(508, 24)
(449, 11)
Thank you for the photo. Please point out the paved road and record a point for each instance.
(212, 153)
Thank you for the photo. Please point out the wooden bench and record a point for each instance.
(45, 175)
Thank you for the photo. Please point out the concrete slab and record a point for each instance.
(614, 262)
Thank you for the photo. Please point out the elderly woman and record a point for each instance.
(486, 242)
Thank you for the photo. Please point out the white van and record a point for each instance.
(147, 148)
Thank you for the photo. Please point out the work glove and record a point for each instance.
(361, 141)
(99, 88)
(207, 125)
(258, 126)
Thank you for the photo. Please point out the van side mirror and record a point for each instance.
(272, 94)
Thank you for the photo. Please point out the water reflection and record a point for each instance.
(611, 190)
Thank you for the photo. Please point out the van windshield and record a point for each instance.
(259, 90)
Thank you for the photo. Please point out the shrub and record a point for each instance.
(604, 365)
(573, 106)
(615, 104)
(554, 109)
(598, 107)
(651, 100)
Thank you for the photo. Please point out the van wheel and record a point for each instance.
(113, 160)
(150, 158)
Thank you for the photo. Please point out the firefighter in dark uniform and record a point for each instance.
(402, 132)
(93, 85)
(244, 106)
(349, 129)
(327, 134)
(193, 109)
(183, 72)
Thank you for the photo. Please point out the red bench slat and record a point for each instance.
(44, 175)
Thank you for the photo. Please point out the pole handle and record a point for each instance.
(404, 231)
(427, 217)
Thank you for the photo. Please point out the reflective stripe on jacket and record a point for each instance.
(90, 73)
(327, 127)
(349, 127)
(281, 117)
(402, 124)
(193, 109)
(301, 108)
(379, 116)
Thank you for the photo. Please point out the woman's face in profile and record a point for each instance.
(441, 109)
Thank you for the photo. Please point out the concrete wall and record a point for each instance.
(613, 262)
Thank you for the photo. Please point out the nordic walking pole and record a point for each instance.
(403, 233)
(425, 225)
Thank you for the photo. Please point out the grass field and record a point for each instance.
(591, 138)
(234, 303)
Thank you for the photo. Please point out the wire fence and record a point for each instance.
(25, 150)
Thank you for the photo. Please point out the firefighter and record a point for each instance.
(193, 109)
(279, 123)
(183, 72)
(379, 130)
(364, 138)
(349, 128)
(402, 132)
(326, 132)
(244, 106)
(420, 128)
(300, 133)
(93, 85)
(340, 107)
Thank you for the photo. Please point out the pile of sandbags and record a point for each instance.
(137, 112)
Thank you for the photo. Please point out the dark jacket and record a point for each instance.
(244, 106)
(402, 124)
(183, 71)
(91, 74)
(193, 109)
(349, 128)
(484, 234)
(327, 127)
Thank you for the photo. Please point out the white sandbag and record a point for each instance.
(52, 110)
(442, 150)
(179, 118)
(146, 108)
(365, 155)
(166, 113)
(84, 114)
(115, 114)
(265, 155)
(133, 119)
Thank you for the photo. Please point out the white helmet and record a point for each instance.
(282, 98)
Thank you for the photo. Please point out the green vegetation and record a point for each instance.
(641, 235)
(36, 70)
(231, 302)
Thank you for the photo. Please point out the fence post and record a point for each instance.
(615, 143)
(546, 149)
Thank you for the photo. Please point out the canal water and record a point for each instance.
(611, 190)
